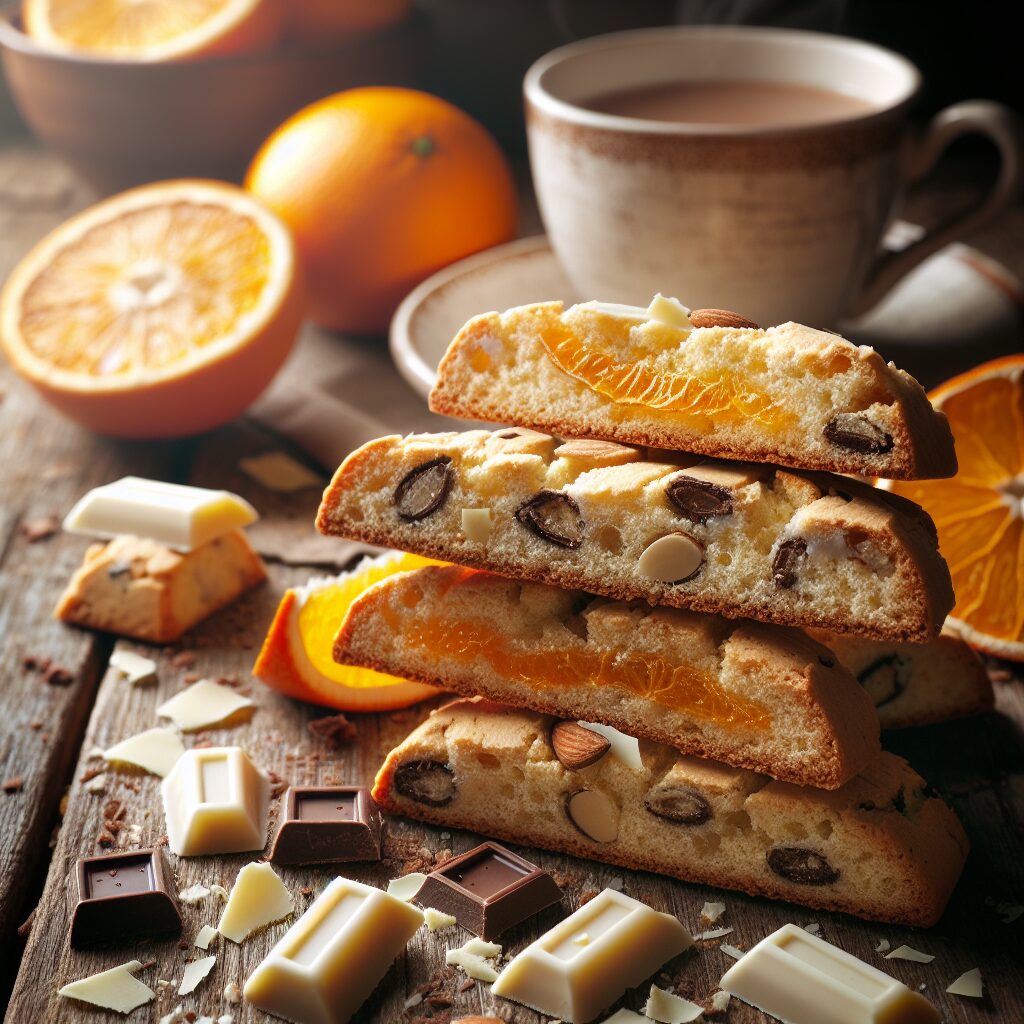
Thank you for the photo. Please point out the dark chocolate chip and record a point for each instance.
(553, 516)
(899, 801)
(826, 661)
(885, 678)
(679, 804)
(699, 500)
(785, 562)
(423, 489)
(426, 782)
(854, 431)
(805, 867)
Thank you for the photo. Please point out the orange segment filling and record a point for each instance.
(727, 399)
(146, 290)
(679, 687)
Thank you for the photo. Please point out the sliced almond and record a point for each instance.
(729, 474)
(594, 815)
(598, 453)
(521, 441)
(577, 747)
(674, 558)
(719, 318)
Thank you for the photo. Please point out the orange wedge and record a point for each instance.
(159, 312)
(979, 513)
(154, 30)
(296, 658)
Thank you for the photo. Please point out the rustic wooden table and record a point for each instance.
(56, 809)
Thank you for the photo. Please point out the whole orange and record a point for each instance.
(381, 187)
(325, 22)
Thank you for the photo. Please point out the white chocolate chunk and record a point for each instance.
(331, 959)
(882, 946)
(907, 953)
(202, 705)
(594, 814)
(436, 921)
(181, 517)
(258, 898)
(97, 784)
(671, 1009)
(720, 1002)
(625, 748)
(215, 801)
(194, 893)
(194, 973)
(117, 989)
(279, 472)
(968, 984)
(132, 667)
(711, 912)
(473, 958)
(791, 974)
(406, 887)
(629, 942)
(476, 524)
(155, 750)
(204, 937)
(667, 310)
(673, 558)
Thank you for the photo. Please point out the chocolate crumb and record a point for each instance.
(184, 659)
(278, 785)
(306, 891)
(26, 926)
(1000, 675)
(35, 530)
(90, 773)
(105, 839)
(57, 675)
(184, 944)
(467, 984)
(586, 896)
(147, 965)
(335, 731)
(14, 784)
(190, 1016)
(191, 677)
(30, 663)
(35, 726)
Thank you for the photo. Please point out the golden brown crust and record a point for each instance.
(913, 850)
(356, 505)
(922, 443)
(820, 728)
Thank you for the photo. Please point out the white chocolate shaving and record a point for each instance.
(202, 704)
(117, 989)
(473, 964)
(132, 667)
(194, 893)
(882, 946)
(258, 898)
(669, 1009)
(194, 973)
(720, 1002)
(279, 472)
(406, 887)
(907, 953)
(204, 937)
(436, 921)
(711, 912)
(736, 954)
(155, 750)
(712, 933)
(968, 984)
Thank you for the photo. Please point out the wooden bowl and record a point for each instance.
(121, 123)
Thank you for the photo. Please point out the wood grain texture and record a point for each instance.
(45, 464)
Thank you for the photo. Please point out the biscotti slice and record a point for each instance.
(754, 695)
(882, 847)
(916, 684)
(139, 588)
(734, 538)
(789, 394)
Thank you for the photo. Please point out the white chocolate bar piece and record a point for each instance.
(216, 801)
(561, 976)
(258, 898)
(117, 989)
(180, 517)
(155, 750)
(792, 974)
(332, 958)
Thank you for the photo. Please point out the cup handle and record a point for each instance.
(972, 117)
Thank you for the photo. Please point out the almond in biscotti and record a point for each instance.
(577, 747)
(719, 318)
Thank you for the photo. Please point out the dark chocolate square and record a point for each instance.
(489, 890)
(119, 896)
(327, 825)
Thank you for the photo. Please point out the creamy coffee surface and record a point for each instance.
(736, 102)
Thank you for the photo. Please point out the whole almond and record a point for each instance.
(577, 747)
(719, 318)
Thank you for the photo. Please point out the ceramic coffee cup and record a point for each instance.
(777, 223)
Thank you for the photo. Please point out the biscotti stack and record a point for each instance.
(635, 581)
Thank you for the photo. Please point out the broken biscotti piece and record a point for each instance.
(789, 394)
(140, 588)
(754, 695)
(882, 847)
(734, 538)
(916, 684)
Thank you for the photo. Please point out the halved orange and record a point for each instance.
(979, 513)
(159, 312)
(154, 30)
(296, 658)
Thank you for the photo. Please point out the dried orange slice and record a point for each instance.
(979, 513)
(159, 312)
(296, 658)
(635, 383)
(154, 30)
